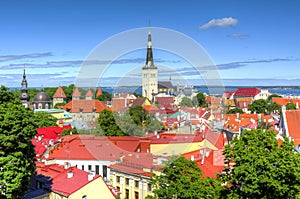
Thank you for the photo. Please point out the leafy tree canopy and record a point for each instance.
(258, 106)
(234, 111)
(181, 178)
(44, 119)
(185, 101)
(17, 128)
(258, 168)
(273, 95)
(104, 97)
(290, 106)
(201, 99)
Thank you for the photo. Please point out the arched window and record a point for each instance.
(40, 106)
(84, 197)
(46, 106)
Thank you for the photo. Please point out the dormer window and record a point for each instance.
(80, 109)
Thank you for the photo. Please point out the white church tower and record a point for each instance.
(149, 73)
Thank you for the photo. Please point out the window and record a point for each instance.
(82, 167)
(46, 106)
(118, 188)
(152, 75)
(149, 187)
(127, 181)
(97, 169)
(84, 197)
(40, 106)
(118, 179)
(104, 171)
(126, 193)
(136, 195)
(136, 184)
(90, 167)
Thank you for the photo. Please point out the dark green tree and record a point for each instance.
(104, 97)
(256, 167)
(181, 178)
(7, 96)
(235, 110)
(108, 125)
(274, 107)
(273, 95)
(201, 99)
(138, 115)
(17, 128)
(44, 119)
(258, 106)
(185, 101)
(290, 106)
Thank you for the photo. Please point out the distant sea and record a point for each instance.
(284, 91)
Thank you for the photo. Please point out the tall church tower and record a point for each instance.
(149, 73)
(24, 96)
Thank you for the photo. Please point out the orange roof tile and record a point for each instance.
(281, 101)
(99, 91)
(76, 93)
(85, 106)
(293, 121)
(59, 93)
(89, 93)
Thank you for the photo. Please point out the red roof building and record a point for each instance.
(89, 95)
(246, 92)
(99, 91)
(59, 93)
(289, 123)
(76, 94)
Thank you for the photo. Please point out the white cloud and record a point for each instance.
(224, 22)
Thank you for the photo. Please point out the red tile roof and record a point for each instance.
(59, 93)
(246, 92)
(281, 101)
(228, 94)
(87, 106)
(140, 101)
(76, 93)
(89, 93)
(165, 101)
(99, 91)
(87, 147)
(293, 121)
(60, 182)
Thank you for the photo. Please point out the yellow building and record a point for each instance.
(63, 117)
(132, 175)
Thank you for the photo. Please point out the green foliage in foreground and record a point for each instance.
(17, 128)
(261, 169)
(181, 178)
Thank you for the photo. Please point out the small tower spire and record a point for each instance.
(149, 60)
(24, 81)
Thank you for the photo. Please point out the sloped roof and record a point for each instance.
(59, 93)
(165, 84)
(85, 106)
(293, 124)
(281, 101)
(60, 181)
(99, 91)
(228, 94)
(87, 147)
(76, 93)
(166, 100)
(247, 92)
(89, 93)
(140, 101)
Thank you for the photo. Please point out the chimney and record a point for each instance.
(91, 175)
(70, 174)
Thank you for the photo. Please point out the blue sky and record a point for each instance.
(251, 42)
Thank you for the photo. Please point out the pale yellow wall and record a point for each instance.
(94, 190)
(179, 148)
(142, 189)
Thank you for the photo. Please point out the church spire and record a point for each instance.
(149, 60)
(24, 81)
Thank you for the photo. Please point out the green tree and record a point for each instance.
(290, 106)
(258, 106)
(153, 124)
(44, 119)
(17, 128)
(273, 95)
(185, 101)
(201, 99)
(108, 125)
(6, 96)
(59, 104)
(274, 107)
(256, 167)
(234, 111)
(69, 91)
(105, 96)
(138, 115)
(181, 178)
